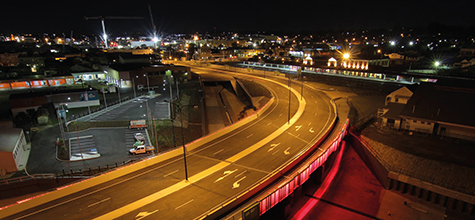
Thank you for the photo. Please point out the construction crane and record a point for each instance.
(102, 18)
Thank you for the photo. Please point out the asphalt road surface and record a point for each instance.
(218, 170)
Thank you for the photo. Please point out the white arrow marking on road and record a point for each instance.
(237, 184)
(298, 127)
(142, 215)
(311, 130)
(226, 173)
(286, 152)
(273, 146)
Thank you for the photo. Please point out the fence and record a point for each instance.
(26, 178)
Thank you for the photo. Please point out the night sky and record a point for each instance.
(203, 16)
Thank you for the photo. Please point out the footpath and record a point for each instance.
(355, 193)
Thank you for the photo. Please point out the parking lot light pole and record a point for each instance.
(133, 86)
(183, 142)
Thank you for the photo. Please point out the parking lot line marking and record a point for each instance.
(168, 174)
(249, 136)
(93, 204)
(217, 152)
(186, 203)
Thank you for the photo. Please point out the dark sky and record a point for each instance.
(174, 16)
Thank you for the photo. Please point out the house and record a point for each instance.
(394, 104)
(401, 95)
(13, 150)
(444, 109)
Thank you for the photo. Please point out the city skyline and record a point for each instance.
(214, 16)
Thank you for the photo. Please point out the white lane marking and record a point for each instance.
(311, 130)
(237, 183)
(93, 204)
(273, 146)
(243, 172)
(286, 152)
(217, 152)
(298, 127)
(186, 203)
(168, 174)
(309, 123)
(226, 173)
(280, 114)
(269, 123)
(142, 215)
(275, 152)
(249, 136)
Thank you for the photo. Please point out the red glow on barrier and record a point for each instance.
(322, 189)
(283, 192)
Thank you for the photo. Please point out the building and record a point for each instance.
(442, 109)
(12, 147)
(394, 104)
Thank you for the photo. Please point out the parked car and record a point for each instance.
(141, 149)
(139, 137)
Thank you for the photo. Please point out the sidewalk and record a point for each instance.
(356, 194)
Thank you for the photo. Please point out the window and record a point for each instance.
(422, 122)
(397, 99)
(414, 121)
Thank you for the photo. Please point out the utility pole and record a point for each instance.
(288, 120)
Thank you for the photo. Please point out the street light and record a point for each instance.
(133, 85)
(148, 84)
(346, 56)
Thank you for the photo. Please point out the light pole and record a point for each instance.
(183, 142)
(148, 84)
(288, 120)
(118, 92)
(133, 85)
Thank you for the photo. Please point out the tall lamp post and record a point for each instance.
(183, 142)
(133, 86)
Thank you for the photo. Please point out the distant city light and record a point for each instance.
(437, 63)
(411, 43)
(346, 55)
(392, 43)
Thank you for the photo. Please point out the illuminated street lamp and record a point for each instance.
(437, 64)
(346, 56)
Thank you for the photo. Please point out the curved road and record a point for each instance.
(218, 170)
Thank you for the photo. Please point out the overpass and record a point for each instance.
(222, 166)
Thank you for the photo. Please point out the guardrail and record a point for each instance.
(301, 176)
(26, 178)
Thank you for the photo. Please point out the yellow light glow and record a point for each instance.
(346, 55)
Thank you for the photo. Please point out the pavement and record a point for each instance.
(355, 193)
